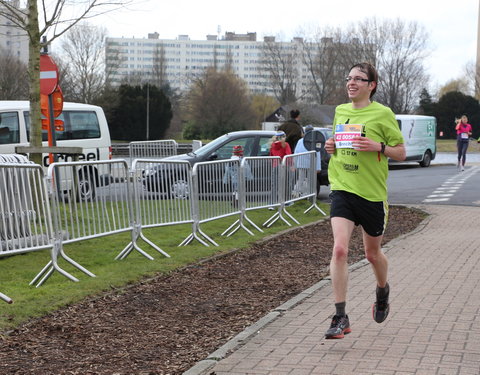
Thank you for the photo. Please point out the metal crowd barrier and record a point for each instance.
(162, 194)
(99, 198)
(196, 145)
(153, 149)
(215, 195)
(25, 216)
(257, 189)
(296, 181)
(14, 158)
(301, 180)
(86, 205)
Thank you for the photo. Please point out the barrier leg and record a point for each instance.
(6, 298)
(128, 249)
(278, 215)
(153, 245)
(44, 269)
(194, 235)
(230, 227)
(236, 226)
(290, 216)
(73, 263)
(252, 223)
(206, 237)
(314, 205)
(136, 233)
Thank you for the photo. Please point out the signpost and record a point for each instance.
(48, 75)
(51, 95)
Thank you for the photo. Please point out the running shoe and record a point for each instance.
(339, 328)
(381, 308)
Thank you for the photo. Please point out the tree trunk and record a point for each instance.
(34, 77)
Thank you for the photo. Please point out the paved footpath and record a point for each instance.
(433, 327)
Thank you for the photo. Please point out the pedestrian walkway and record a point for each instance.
(433, 327)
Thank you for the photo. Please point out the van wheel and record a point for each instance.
(86, 186)
(427, 158)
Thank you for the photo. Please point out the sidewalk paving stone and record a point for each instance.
(433, 327)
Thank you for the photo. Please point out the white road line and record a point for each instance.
(452, 185)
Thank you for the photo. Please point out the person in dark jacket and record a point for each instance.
(292, 128)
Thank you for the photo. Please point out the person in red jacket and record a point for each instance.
(279, 145)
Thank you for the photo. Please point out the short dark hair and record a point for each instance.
(294, 113)
(371, 73)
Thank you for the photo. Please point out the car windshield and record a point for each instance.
(205, 150)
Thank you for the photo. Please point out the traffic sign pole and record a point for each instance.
(49, 85)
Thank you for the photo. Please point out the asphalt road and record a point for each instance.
(441, 183)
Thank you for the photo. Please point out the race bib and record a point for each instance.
(464, 135)
(344, 133)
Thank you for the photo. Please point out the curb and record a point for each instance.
(201, 367)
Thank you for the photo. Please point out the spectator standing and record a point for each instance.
(232, 174)
(278, 147)
(464, 131)
(306, 144)
(292, 128)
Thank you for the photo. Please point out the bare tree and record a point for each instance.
(159, 70)
(13, 77)
(462, 85)
(321, 56)
(55, 18)
(398, 49)
(279, 62)
(84, 49)
(472, 75)
(217, 103)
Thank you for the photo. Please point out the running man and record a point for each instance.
(366, 134)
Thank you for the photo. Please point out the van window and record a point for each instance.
(9, 128)
(77, 125)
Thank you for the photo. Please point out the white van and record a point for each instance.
(419, 134)
(84, 126)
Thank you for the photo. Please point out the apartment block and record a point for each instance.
(13, 40)
(182, 59)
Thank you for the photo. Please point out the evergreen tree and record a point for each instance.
(455, 104)
(129, 116)
(426, 105)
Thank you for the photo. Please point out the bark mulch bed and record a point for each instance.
(166, 324)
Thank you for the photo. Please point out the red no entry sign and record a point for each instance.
(48, 75)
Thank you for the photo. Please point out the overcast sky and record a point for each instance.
(452, 25)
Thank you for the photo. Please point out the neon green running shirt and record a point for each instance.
(362, 172)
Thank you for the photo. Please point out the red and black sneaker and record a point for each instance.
(339, 328)
(381, 307)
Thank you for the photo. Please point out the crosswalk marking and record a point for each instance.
(449, 187)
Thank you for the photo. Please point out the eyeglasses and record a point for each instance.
(357, 79)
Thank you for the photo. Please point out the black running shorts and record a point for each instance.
(372, 216)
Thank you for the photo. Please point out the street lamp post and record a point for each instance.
(148, 112)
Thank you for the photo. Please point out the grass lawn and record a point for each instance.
(97, 255)
(450, 145)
